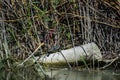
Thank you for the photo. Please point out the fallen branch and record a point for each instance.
(41, 44)
(113, 60)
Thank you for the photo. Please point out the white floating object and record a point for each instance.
(88, 51)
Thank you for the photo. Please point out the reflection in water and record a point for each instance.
(83, 75)
(23, 73)
(32, 74)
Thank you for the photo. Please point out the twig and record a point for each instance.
(71, 35)
(41, 44)
(110, 63)
(66, 60)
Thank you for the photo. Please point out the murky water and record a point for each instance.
(83, 75)
(58, 74)
(24, 73)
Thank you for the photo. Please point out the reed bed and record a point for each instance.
(59, 24)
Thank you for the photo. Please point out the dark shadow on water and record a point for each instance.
(23, 73)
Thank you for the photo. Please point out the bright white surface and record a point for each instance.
(89, 50)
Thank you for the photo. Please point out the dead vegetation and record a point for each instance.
(59, 24)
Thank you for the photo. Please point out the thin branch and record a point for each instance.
(41, 44)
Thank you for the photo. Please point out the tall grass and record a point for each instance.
(24, 24)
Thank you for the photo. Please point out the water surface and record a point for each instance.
(83, 75)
